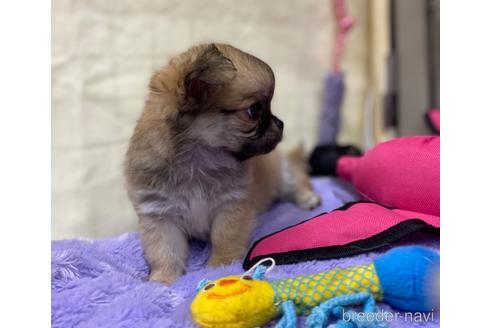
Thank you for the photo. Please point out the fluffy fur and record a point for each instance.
(200, 162)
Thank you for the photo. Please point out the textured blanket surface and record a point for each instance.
(103, 283)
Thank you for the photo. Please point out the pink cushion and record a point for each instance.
(434, 117)
(402, 173)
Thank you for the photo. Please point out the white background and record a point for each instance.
(25, 166)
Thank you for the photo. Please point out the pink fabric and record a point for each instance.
(402, 173)
(339, 227)
(344, 24)
(435, 118)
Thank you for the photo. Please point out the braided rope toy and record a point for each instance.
(404, 278)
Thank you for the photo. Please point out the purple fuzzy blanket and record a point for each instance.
(103, 283)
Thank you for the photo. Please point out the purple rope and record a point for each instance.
(334, 88)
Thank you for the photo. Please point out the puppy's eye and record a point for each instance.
(247, 277)
(254, 111)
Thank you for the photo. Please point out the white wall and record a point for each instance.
(103, 53)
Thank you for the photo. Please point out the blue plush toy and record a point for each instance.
(409, 278)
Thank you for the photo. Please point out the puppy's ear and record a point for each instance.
(210, 71)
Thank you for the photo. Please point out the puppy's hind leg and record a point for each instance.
(296, 185)
(165, 247)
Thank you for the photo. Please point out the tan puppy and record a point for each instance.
(196, 168)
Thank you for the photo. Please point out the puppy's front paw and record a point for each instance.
(308, 200)
(215, 262)
(223, 259)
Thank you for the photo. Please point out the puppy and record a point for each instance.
(200, 162)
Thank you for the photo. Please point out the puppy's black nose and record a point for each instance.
(278, 122)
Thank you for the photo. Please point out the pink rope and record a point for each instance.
(344, 24)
